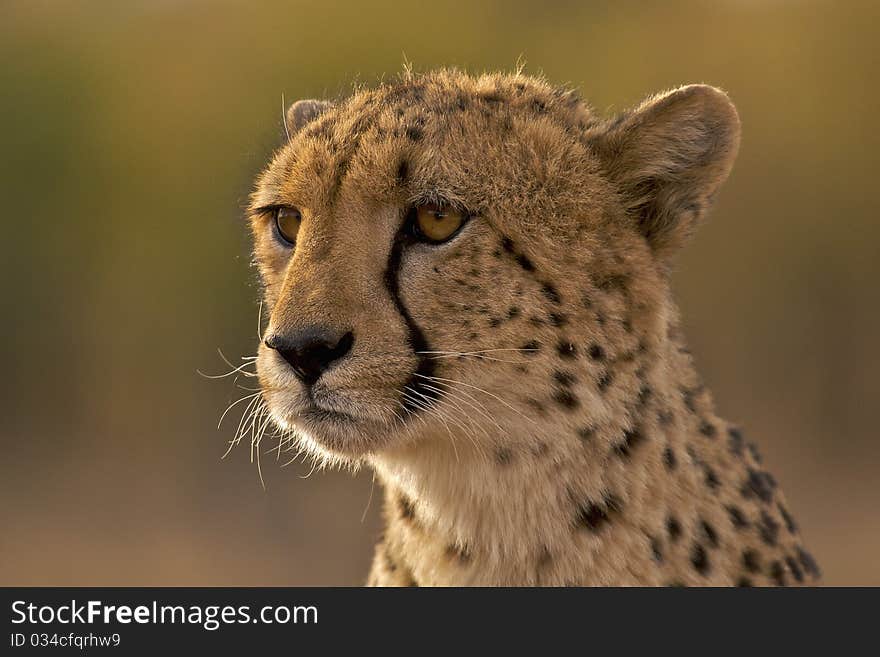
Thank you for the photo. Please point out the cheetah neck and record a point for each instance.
(559, 502)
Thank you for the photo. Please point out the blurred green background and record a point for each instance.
(129, 136)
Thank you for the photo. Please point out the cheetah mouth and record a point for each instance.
(333, 412)
(316, 414)
(337, 433)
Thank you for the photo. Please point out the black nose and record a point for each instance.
(310, 352)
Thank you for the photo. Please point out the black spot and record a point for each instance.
(631, 439)
(777, 572)
(565, 379)
(629, 357)
(596, 352)
(768, 528)
(507, 244)
(736, 517)
(665, 417)
(536, 405)
(751, 561)
(594, 516)
(513, 312)
(612, 282)
(757, 483)
(645, 393)
(700, 559)
(586, 433)
(673, 527)
(524, 262)
(458, 553)
(790, 524)
(656, 550)
(712, 480)
(795, 569)
(541, 449)
(494, 322)
(587, 301)
(405, 506)
(735, 441)
(566, 350)
(503, 455)
(566, 399)
(550, 292)
(531, 347)
(558, 319)
(744, 582)
(688, 398)
(545, 557)
(402, 171)
(808, 562)
(708, 429)
(414, 133)
(389, 562)
(709, 532)
(604, 381)
(539, 106)
(669, 459)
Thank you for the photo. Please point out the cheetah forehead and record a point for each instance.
(451, 93)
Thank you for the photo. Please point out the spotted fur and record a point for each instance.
(523, 391)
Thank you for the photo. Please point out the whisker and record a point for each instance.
(478, 351)
(236, 369)
(425, 408)
(233, 404)
(482, 411)
(485, 392)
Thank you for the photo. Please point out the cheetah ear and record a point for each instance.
(668, 157)
(303, 112)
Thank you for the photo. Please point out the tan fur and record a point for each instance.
(570, 441)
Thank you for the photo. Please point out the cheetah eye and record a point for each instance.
(287, 221)
(435, 223)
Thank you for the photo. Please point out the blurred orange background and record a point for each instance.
(130, 134)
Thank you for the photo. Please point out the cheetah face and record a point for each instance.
(448, 254)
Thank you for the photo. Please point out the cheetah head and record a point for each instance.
(447, 254)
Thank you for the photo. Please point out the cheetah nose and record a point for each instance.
(311, 351)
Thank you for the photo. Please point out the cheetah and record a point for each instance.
(467, 285)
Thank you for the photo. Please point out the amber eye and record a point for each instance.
(287, 221)
(435, 223)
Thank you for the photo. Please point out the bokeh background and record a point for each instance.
(129, 136)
